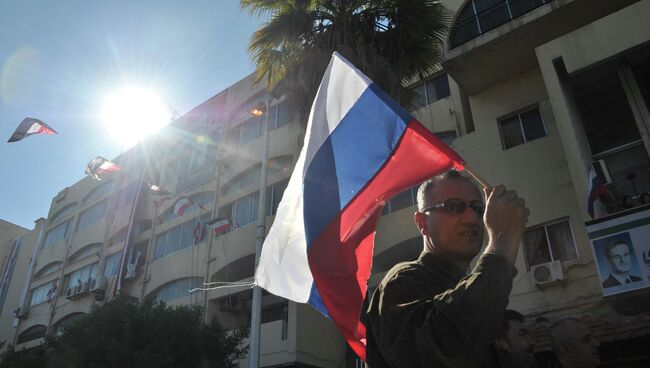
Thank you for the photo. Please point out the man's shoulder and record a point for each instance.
(610, 281)
(407, 272)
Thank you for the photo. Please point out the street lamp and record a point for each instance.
(256, 308)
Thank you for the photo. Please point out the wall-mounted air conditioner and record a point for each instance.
(547, 273)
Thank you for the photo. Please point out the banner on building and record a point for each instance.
(621, 248)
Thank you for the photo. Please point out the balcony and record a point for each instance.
(497, 42)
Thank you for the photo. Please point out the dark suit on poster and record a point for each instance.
(612, 281)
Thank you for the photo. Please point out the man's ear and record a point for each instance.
(420, 222)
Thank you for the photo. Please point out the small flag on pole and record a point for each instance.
(99, 166)
(181, 205)
(30, 126)
(219, 225)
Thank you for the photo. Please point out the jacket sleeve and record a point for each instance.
(451, 329)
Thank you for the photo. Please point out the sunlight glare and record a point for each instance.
(134, 113)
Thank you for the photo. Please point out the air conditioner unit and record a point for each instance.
(547, 273)
(70, 292)
(21, 312)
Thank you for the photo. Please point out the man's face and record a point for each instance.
(455, 235)
(619, 259)
(519, 344)
(583, 347)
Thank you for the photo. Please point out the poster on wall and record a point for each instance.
(621, 248)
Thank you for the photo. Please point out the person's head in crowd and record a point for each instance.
(627, 202)
(515, 347)
(619, 257)
(573, 344)
(644, 198)
(450, 217)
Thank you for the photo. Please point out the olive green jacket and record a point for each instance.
(427, 313)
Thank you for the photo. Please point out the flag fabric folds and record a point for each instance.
(360, 149)
(219, 225)
(596, 189)
(99, 166)
(30, 126)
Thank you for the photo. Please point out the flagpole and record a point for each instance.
(470, 170)
(256, 307)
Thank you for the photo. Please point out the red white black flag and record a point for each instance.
(219, 225)
(28, 127)
(99, 166)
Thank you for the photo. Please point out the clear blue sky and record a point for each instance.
(58, 59)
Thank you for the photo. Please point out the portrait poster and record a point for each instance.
(621, 249)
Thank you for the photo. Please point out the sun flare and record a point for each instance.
(134, 113)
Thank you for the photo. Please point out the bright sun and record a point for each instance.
(134, 113)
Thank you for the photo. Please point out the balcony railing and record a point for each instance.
(481, 16)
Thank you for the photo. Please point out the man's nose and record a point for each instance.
(470, 216)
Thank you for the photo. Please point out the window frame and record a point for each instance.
(548, 241)
(518, 114)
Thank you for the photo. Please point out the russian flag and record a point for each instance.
(596, 189)
(360, 149)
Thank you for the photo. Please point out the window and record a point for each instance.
(178, 237)
(32, 333)
(245, 209)
(91, 215)
(65, 211)
(100, 192)
(177, 289)
(480, 16)
(404, 199)
(57, 233)
(251, 176)
(81, 275)
(112, 264)
(87, 251)
(433, 90)
(274, 195)
(550, 242)
(48, 269)
(521, 128)
(44, 293)
(281, 115)
(277, 313)
(250, 130)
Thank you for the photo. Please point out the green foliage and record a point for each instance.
(33, 358)
(124, 333)
(391, 41)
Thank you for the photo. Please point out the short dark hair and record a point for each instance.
(425, 188)
(509, 315)
(611, 245)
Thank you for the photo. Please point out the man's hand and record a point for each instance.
(505, 219)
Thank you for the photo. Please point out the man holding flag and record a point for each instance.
(432, 313)
(360, 149)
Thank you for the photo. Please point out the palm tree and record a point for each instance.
(392, 41)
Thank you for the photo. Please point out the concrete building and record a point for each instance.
(533, 94)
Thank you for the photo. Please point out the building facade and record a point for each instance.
(533, 93)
